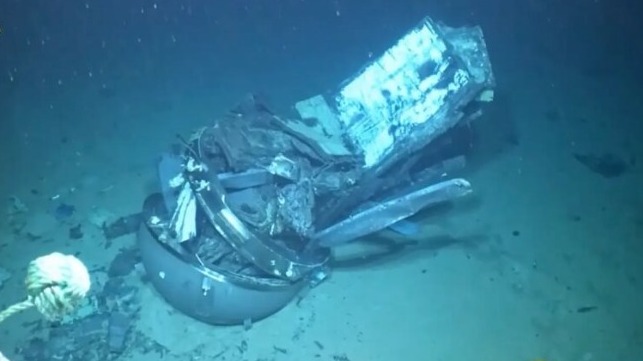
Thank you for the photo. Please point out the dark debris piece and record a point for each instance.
(341, 357)
(105, 335)
(64, 212)
(118, 296)
(76, 232)
(82, 340)
(122, 226)
(586, 309)
(119, 325)
(607, 165)
(124, 262)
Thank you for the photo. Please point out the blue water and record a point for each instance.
(543, 262)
